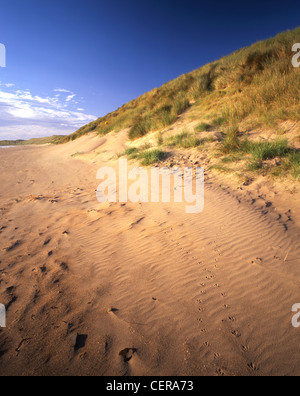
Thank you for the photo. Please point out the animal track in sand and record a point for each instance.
(252, 366)
(257, 261)
(221, 372)
(244, 348)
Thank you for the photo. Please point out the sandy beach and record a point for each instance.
(176, 294)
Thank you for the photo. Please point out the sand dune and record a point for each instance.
(205, 294)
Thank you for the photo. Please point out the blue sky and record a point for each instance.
(71, 61)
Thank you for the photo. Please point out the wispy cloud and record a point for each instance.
(70, 97)
(24, 114)
(62, 90)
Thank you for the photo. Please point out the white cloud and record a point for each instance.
(70, 97)
(24, 115)
(62, 90)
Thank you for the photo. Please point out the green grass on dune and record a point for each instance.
(150, 157)
(146, 155)
(234, 148)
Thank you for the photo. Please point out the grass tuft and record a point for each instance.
(203, 127)
(150, 157)
(160, 139)
(184, 140)
(231, 141)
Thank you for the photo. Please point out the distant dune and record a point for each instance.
(44, 140)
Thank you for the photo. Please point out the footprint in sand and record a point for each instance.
(64, 266)
(13, 246)
(12, 297)
(127, 354)
(2, 228)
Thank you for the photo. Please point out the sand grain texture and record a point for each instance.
(207, 294)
